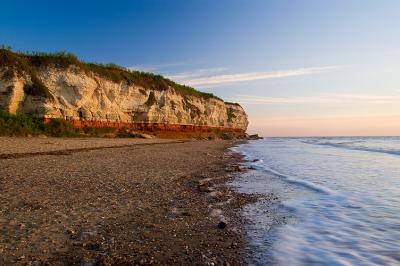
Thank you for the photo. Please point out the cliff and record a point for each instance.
(60, 86)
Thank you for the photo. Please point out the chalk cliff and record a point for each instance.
(60, 86)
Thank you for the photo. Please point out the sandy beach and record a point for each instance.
(119, 201)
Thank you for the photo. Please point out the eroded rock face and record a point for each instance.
(92, 99)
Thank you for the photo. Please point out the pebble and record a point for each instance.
(221, 225)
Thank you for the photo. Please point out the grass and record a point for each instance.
(232, 103)
(24, 125)
(18, 125)
(22, 63)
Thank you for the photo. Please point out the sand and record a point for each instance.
(88, 202)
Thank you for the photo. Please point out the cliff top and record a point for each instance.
(26, 63)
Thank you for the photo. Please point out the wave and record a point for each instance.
(296, 181)
(346, 145)
(259, 164)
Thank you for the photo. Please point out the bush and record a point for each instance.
(60, 128)
(25, 125)
(20, 65)
(18, 125)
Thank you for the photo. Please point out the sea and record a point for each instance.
(323, 201)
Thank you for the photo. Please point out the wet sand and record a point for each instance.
(88, 202)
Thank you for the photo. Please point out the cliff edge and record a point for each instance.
(58, 85)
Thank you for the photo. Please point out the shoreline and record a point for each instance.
(158, 203)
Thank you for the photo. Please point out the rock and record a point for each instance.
(215, 194)
(91, 245)
(140, 135)
(147, 136)
(233, 168)
(70, 231)
(205, 187)
(254, 137)
(73, 233)
(22, 226)
(228, 136)
(186, 213)
(221, 225)
(106, 261)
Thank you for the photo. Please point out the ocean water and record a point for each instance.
(338, 200)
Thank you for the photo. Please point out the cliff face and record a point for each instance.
(91, 98)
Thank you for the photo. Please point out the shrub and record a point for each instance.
(18, 125)
(60, 128)
(19, 65)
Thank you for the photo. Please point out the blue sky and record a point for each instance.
(298, 67)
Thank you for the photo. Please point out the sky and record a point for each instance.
(298, 67)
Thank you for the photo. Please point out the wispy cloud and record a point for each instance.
(320, 99)
(157, 67)
(195, 74)
(207, 77)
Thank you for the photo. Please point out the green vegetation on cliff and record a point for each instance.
(25, 125)
(26, 63)
(20, 65)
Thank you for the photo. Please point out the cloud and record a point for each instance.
(209, 77)
(156, 67)
(320, 99)
(184, 76)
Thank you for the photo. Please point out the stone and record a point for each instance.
(140, 135)
(221, 225)
(254, 137)
(70, 231)
(205, 187)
